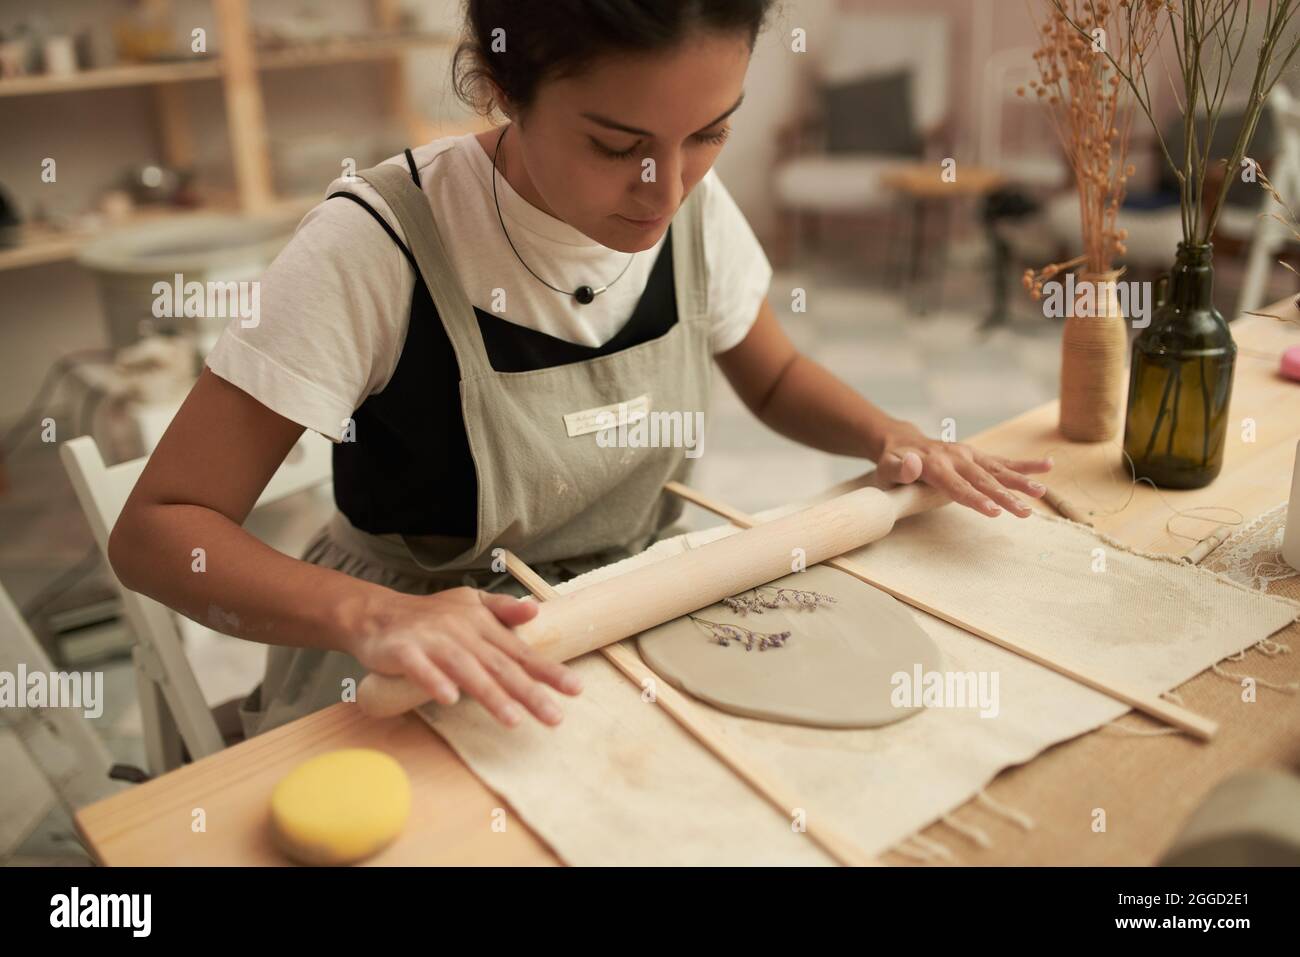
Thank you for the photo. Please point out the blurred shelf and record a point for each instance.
(240, 67)
(43, 244)
(40, 245)
(279, 58)
(344, 51)
(138, 74)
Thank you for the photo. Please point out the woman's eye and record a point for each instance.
(715, 139)
(604, 150)
(712, 139)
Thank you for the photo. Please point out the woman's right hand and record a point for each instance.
(462, 639)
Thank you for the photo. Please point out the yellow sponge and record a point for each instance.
(340, 807)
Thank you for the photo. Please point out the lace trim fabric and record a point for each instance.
(1253, 556)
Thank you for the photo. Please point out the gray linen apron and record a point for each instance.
(561, 502)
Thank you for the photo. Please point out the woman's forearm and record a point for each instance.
(203, 565)
(813, 406)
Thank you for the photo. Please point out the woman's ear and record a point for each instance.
(500, 102)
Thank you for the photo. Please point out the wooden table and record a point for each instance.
(921, 186)
(452, 809)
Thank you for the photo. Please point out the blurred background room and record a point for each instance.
(144, 138)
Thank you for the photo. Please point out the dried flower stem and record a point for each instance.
(1092, 111)
(724, 634)
(756, 600)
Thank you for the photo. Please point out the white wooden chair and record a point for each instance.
(60, 741)
(172, 704)
(1024, 151)
(1268, 235)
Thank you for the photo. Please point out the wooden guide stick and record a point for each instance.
(1208, 544)
(628, 604)
(700, 726)
(1181, 718)
(1065, 507)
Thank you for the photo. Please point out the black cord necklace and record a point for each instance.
(584, 294)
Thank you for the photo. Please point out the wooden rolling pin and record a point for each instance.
(1151, 704)
(629, 604)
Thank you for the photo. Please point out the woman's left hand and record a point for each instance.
(970, 477)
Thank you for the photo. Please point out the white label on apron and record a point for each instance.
(606, 416)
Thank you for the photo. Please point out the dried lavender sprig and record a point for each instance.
(725, 634)
(781, 598)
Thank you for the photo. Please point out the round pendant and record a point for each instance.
(584, 294)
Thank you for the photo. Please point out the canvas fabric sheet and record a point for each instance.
(1145, 780)
(619, 782)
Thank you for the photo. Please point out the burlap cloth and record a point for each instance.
(620, 783)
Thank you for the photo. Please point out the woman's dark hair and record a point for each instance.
(547, 39)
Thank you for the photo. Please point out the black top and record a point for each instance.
(410, 470)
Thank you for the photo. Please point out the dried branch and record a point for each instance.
(1201, 31)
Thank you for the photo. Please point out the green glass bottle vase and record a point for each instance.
(1180, 379)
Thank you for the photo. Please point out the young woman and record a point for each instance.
(455, 319)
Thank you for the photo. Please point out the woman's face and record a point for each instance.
(615, 150)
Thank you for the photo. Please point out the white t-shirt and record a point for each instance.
(335, 303)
